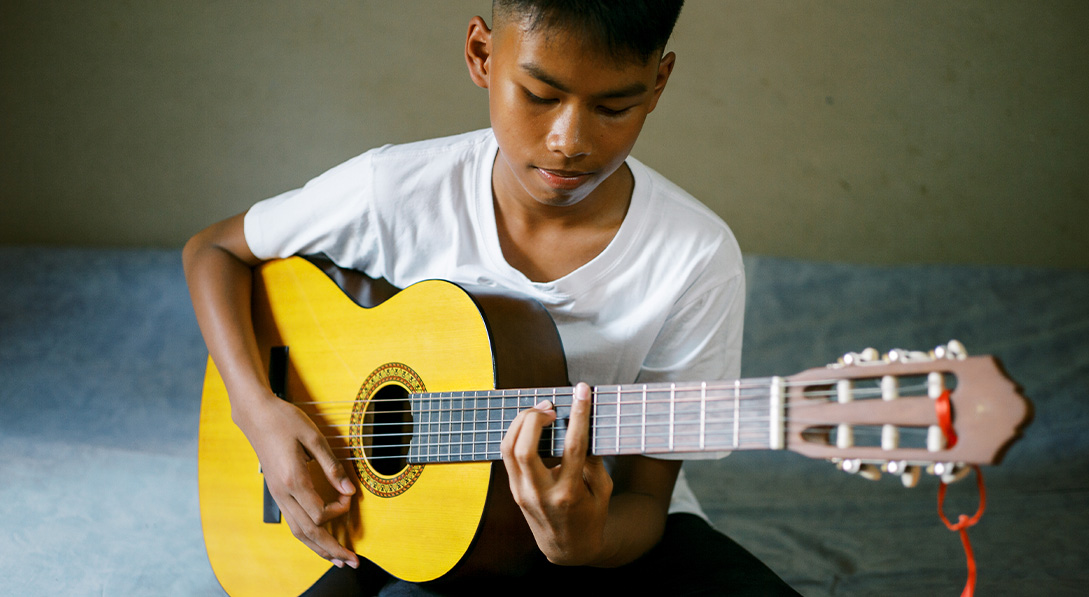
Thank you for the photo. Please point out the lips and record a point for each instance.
(563, 179)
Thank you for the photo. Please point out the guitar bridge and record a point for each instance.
(277, 379)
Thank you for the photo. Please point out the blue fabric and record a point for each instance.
(100, 373)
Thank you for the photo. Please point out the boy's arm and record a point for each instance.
(219, 271)
(579, 515)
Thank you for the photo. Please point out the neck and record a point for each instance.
(546, 241)
(627, 419)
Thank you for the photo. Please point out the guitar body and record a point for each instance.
(418, 522)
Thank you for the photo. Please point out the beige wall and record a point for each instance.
(862, 130)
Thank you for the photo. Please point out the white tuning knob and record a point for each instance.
(910, 477)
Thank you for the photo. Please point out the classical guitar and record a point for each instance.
(415, 388)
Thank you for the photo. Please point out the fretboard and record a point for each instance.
(626, 419)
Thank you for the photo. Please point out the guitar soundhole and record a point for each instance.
(381, 430)
(388, 425)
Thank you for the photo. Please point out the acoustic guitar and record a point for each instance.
(415, 388)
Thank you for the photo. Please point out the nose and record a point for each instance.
(569, 133)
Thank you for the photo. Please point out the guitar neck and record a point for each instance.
(627, 419)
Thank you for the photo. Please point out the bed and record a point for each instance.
(101, 365)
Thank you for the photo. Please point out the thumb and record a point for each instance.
(596, 476)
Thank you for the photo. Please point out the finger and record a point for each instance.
(317, 538)
(506, 447)
(524, 438)
(527, 444)
(597, 478)
(577, 438)
(318, 449)
(300, 488)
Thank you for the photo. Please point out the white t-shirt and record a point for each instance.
(664, 301)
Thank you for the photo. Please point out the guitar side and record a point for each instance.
(449, 339)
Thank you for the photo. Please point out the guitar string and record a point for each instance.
(486, 450)
(471, 427)
(488, 398)
(680, 438)
(871, 430)
(718, 404)
(728, 392)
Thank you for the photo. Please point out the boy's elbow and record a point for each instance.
(191, 250)
(226, 237)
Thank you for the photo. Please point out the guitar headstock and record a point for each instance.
(905, 411)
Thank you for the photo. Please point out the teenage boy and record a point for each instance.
(644, 283)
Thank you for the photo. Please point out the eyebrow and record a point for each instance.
(632, 90)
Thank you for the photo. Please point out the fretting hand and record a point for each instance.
(566, 505)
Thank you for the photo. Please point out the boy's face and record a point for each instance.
(565, 114)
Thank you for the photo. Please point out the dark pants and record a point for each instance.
(691, 559)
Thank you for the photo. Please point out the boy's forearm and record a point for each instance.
(220, 285)
(635, 525)
(638, 508)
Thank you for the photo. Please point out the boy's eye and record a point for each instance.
(607, 111)
(536, 99)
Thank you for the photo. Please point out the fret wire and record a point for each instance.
(672, 405)
(593, 436)
(431, 439)
(619, 407)
(461, 430)
(643, 441)
(426, 427)
(737, 414)
(703, 413)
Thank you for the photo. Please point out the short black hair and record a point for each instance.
(625, 29)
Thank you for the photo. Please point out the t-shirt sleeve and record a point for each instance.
(330, 214)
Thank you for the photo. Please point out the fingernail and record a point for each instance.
(338, 563)
(354, 564)
(543, 405)
(346, 487)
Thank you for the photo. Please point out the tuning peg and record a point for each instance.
(910, 477)
(950, 472)
(909, 474)
(899, 355)
(870, 472)
(951, 350)
(868, 355)
(855, 466)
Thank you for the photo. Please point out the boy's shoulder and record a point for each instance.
(671, 203)
(681, 229)
(397, 168)
(469, 143)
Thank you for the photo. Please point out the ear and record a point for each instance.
(665, 68)
(478, 51)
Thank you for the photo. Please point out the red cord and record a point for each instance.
(945, 419)
(962, 525)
